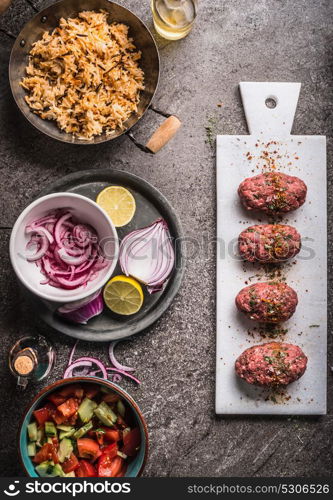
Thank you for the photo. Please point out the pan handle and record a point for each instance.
(165, 132)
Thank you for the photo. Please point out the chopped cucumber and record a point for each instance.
(65, 427)
(31, 449)
(121, 408)
(57, 471)
(83, 430)
(45, 469)
(32, 431)
(66, 434)
(40, 437)
(65, 449)
(105, 414)
(50, 429)
(86, 410)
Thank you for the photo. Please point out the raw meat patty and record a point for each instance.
(272, 193)
(269, 243)
(270, 302)
(271, 364)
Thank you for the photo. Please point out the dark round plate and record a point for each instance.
(151, 205)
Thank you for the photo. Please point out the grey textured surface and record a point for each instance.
(233, 40)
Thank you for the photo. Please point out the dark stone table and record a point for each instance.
(233, 40)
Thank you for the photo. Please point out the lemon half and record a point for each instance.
(118, 203)
(123, 295)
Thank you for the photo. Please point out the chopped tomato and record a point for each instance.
(72, 420)
(42, 415)
(109, 467)
(88, 448)
(56, 399)
(111, 397)
(70, 464)
(58, 417)
(47, 452)
(74, 390)
(98, 434)
(55, 443)
(85, 469)
(111, 434)
(132, 442)
(91, 390)
(69, 407)
(111, 450)
(51, 407)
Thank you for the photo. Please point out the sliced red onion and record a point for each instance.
(84, 372)
(68, 254)
(125, 374)
(48, 219)
(71, 260)
(71, 355)
(86, 361)
(114, 361)
(58, 227)
(77, 364)
(148, 255)
(85, 311)
(82, 235)
(74, 306)
(40, 230)
(44, 245)
(121, 372)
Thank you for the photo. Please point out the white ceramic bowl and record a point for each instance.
(85, 211)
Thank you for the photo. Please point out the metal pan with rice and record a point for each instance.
(85, 75)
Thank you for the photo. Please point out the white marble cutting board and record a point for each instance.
(239, 157)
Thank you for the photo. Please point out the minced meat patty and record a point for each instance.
(270, 302)
(269, 243)
(271, 364)
(272, 193)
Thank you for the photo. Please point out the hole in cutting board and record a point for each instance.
(271, 102)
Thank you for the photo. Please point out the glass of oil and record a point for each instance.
(173, 19)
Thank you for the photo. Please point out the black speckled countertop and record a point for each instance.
(232, 40)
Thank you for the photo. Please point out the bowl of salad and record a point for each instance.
(83, 427)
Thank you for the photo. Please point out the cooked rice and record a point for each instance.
(85, 75)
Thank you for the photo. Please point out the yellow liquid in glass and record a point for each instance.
(173, 19)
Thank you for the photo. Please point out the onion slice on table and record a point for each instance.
(77, 364)
(148, 255)
(114, 361)
(71, 355)
(86, 361)
(120, 372)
